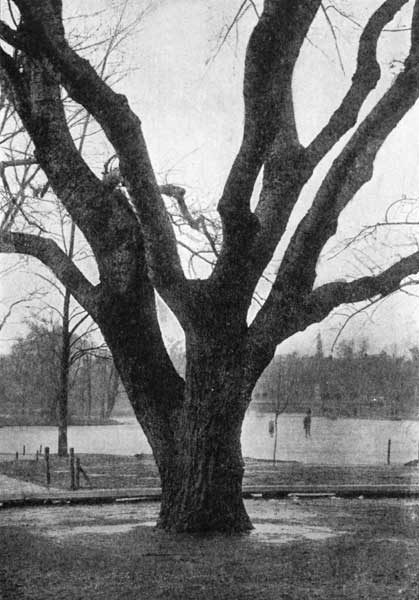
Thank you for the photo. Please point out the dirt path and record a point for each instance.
(9, 486)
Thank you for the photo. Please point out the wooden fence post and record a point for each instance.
(72, 472)
(388, 452)
(78, 467)
(24, 450)
(85, 475)
(48, 473)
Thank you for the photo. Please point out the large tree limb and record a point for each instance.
(125, 307)
(364, 80)
(35, 92)
(271, 55)
(348, 173)
(101, 212)
(291, 313)
(50, 254)
(43, 35)
(288, 169)
(325, 298)
(285, 310)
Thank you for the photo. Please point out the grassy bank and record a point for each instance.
(111, 471)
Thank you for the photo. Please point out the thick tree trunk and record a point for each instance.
(193, 428)
(202, 482)
(204, 490)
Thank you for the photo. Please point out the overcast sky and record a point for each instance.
(190, 105)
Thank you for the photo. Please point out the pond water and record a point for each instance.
(339, 442)
(335, 442)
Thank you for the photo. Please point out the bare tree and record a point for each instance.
(12, 196)
(20, 191)
(193, 424)
(283, 375)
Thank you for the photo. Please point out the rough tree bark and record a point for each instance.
(193, 424)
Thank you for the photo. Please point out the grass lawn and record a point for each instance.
(329, 549)
(326, 549)
(104, 471)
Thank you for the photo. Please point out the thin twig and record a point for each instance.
(332, 29)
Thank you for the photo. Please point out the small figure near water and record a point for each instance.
(307, 423)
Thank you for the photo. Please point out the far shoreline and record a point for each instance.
(74, 422)
(9, 421)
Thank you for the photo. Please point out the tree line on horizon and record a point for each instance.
(354, 383)
(30, 379)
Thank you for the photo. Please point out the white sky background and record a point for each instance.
(191, 112)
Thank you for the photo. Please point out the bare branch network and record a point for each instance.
(270, 140)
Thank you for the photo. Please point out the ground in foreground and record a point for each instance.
(324, 549)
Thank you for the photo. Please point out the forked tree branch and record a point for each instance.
(103, 214)
(269, 139)
(348, 173)
(364, 80)
(287, 171)
(271, 55)
(35, 92)
(292, 305)
(33, 78)
(43, 33)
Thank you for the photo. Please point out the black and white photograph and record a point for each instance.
(209, 299)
